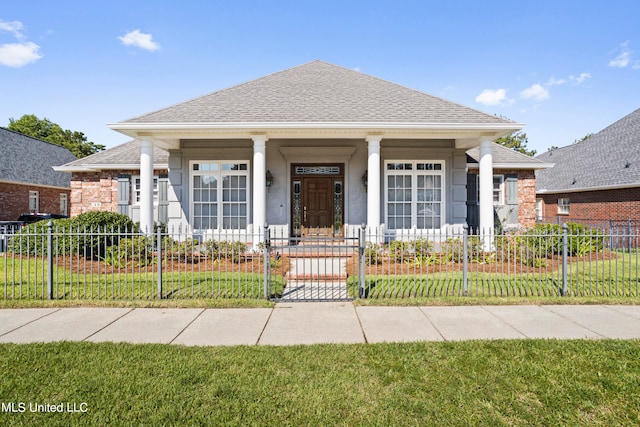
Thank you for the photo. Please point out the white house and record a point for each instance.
(317, 147)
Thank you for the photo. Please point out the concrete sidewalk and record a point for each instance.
(312, 323)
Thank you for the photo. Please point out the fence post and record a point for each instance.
(565, 249)
(50, 259)
(465, 262)
(267, 259)
(361, 261)
(159, 250)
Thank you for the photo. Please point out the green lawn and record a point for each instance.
(595, 277)
(522, 382)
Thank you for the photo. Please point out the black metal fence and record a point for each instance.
(550, 260)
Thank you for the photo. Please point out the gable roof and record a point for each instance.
(124, 156)
(607, 160)
(506, 158)
(316, 94)
(28, 160)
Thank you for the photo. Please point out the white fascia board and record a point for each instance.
(480, 129)
(99, 167)
(523, 166)
(579, 190)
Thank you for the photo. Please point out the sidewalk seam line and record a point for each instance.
(108, 324)
(187, 325)
(30, 322)
(265, 325)
(573, 321)
(432, 323)
(484, 307)
(364, 335)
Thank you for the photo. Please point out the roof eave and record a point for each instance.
(579, 190)
(102, 167)
(278, 129)
(535, 166)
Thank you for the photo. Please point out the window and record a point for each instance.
(563, 206)
(539, 209)
(34, 201)
(414, 194)
(64, 204)
(136, 190)
(220, 195)
(498, 189)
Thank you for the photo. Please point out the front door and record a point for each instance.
(317, 200)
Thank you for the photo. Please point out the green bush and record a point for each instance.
(137, 251)
(89, 234)
(546, 239)
(373, 253)
(232, 250)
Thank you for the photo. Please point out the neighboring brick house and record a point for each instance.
(595, 181)
(110, 181)
(514, 187)
(28, 182)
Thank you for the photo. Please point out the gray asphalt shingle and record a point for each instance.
(318, 92)
(30, 161)
(609, 158)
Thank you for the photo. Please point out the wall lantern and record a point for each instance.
(365, 178)
(269, 179)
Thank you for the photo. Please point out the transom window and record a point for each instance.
(414, 194)
(220, 195)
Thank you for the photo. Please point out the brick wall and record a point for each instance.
(14, 200)
(606, 205)
(97, 191)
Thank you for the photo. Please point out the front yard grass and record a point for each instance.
(519, 382)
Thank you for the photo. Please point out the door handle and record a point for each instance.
(304, 214)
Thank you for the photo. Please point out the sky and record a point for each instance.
(563, 68)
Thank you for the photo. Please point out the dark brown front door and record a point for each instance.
(317, 200)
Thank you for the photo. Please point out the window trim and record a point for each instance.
(135, 190)
(414, 172)
(564, 206)
(34, 196)
(64, 204)
(219, 174)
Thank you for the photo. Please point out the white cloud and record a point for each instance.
(555, 82)
(536, 92)
(580, 79)
(624, 57)
(492, 97)
(14, 28)
(137, 39)
(19, 54)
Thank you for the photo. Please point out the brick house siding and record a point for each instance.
(14, 199)
(603, 205)
(526, 194)
(97, 191)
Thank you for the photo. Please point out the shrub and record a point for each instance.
(88, 234)
(232, 250)
(546, 239)
(373, 253)
(136, 250)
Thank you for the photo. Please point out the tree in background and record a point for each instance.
(45, 129)
(517, 141)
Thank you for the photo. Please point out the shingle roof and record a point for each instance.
(610, 158)
(123, 155)
(503, 156)
(319, 92)
(29, 160)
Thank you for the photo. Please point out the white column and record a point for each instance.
(146, 186)
(486, 194)
(373, 184)
(259, 183)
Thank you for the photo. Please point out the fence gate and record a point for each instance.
(312, 268)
